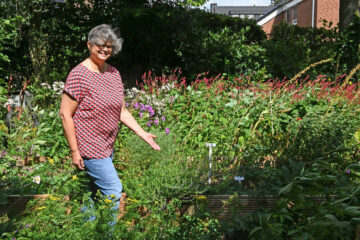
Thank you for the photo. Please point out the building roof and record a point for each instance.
(277, 9)
(237, 10)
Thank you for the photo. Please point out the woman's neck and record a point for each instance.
(95, 65)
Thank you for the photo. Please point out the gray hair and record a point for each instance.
(105, 33)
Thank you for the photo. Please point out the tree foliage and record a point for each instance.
(54, 34)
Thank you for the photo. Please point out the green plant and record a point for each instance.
(292, 48)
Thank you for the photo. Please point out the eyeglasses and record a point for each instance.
(103, 46)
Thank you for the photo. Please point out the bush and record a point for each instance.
(292, 48)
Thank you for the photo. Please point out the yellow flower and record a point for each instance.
(108, 201)
(132, 200)
(74, 177)
(3, 127)
(350, 83)
(4, 218)
(51, 161)
(40, 208)
(51, 197)
(200, 197)
(112, 196)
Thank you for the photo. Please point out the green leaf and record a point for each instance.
(241, 140)
(332, 218)
(232, 103)
(287, 188)
(353, 210)
(40, 142)
(357, 136)
(254, 230)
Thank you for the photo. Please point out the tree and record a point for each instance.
(347, 10)
(275, 2)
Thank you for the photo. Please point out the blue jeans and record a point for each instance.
(104, 178)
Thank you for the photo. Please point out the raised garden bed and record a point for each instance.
(16, 204)
(223, 207)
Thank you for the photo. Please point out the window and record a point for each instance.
(294, 15)
(288, 17)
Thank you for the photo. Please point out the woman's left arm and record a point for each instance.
(127, 119)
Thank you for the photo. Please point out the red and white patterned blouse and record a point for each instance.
(100, 97)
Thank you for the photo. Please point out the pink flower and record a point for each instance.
(167, 131)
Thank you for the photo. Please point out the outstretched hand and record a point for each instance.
(149, 139)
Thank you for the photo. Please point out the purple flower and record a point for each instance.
(140, 115)
(136, 105)
(150, 110)
(148, 124)
(3, 153)
(142, 107)
(27, 225)
(156, 122)
(167, 131)
(163, 118)
(348, 171)
(127, 104)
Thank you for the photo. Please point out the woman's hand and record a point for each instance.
(149, 139)
(77, 160)
(127, 119)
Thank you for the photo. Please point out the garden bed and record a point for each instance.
(16, 204)
(223, 207)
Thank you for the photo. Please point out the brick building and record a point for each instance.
(304, 13)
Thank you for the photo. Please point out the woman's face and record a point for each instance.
(100, 50)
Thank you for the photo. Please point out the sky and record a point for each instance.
(238, 3)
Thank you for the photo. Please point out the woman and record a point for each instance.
(92, 105)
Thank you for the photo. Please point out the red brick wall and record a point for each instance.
(324, 9)
(304, 13)
(267, 27)
(329, 10)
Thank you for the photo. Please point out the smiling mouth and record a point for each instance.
(104, 53)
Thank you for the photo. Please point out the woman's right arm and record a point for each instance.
(67, 109)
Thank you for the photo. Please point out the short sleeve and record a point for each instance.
(74, 86)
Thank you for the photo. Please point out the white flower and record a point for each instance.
(10, 102)
(37, 179)
(45, 85)
(58, 87)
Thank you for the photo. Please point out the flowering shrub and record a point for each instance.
(295, 138)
